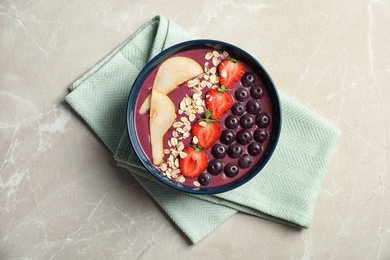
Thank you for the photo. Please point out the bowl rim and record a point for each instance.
(130, 114)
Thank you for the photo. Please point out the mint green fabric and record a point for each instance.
(285, 191)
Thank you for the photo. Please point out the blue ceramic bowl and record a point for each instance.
(236, 53)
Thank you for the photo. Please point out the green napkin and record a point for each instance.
(285, 191)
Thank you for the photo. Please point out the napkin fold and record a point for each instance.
(286, 189)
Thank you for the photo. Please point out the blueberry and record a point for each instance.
(244, 137)
(215, 167)
(204, 179)
(253, 106)
(254, 148)
(257, 91)
(238, 108)
(248, 79)
(235, 150)
(247, 121)
(263, 120)
(241, 94)
(245, 161)
(231, 169)
(232, 121)
(227, 136)
(260, 135)
(219, 151)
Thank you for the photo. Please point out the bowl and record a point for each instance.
(207, 54)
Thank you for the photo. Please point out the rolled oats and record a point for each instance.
(174, 152)
(174, 141)
(177, 124)
(215, 61)
(206, 69)
(192, 116)
(208, 55)
(203, 83)
(183, 105)
(193, 82)
(188, 101)
(183, 155)
(198, 103)
(214, 79)
(180, 147)
(164, 167)
(180, 130)
(181, 179)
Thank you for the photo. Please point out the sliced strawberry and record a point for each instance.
(195, 162)
(219, 102)
(230, 71)
(207, 131)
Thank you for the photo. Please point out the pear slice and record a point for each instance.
(172, 73)
(145, 106)
(162, 115)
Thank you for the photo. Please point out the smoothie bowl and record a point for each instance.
(203, 117)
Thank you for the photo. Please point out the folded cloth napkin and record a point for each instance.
(285, 191)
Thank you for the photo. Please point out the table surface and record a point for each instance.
(64, 197)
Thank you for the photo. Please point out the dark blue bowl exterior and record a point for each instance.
(234, 52)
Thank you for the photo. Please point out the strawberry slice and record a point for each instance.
(230, 71)
(195, 162)
(207, 131)
(219, 102)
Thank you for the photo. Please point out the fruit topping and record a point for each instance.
(220, 113)
(194, 163)
(248, 79)
(263, 120)
(231, 169)
(260, 135)
(172, 73)
(218, 101)
(232, 122)
(207, 131)
(230, 71)
(235, 150)
(253, 106)
(227, 136)
(219, 151)
(204, 179)
(160, 121)
(238, 109)
(254, 148)
(245, 161)
(247, 121)
(244, 136)
(257, 91)
(215, 167)
(241, 94)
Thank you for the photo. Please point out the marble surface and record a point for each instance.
(62, 195)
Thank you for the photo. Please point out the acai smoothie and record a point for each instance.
(222, 121)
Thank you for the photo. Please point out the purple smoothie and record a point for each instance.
(177, 95)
